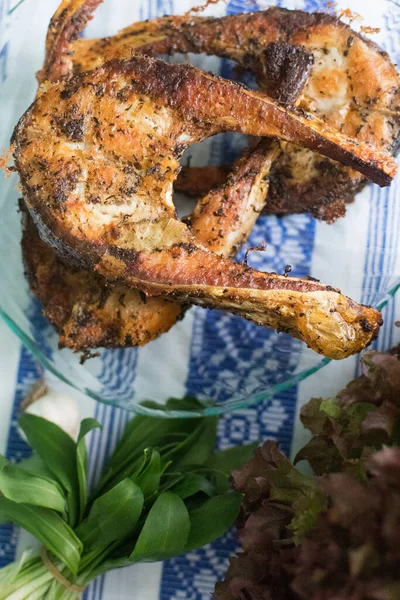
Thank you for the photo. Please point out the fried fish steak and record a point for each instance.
(98, 155)
(353, 86)
(87, 313)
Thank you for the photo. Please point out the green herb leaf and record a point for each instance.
(141, 433)
(113, 515)
(165, 531)
(225, 461)
(196, 448)
(149, 478)
(212, 519)
(231, 458)
(191, 484)
(36, 466)
(22, 487)
(58, 451)
(49, 528)
(87, 425)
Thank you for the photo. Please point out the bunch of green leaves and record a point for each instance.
(361, 419)
(164, 491)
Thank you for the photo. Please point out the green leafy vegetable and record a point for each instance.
(164, 491)
(87, 425)
(191, 484)
(58, 451)
(150, 476)
(113, 515)
(212, 519)
(165, 531)
(22, 487)
(49, 528)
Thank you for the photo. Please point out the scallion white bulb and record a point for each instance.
(57, 407)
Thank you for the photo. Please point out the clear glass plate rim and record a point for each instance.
(229, 406)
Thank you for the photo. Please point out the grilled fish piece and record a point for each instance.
(86, 153)
(353, 87)
(88, 313)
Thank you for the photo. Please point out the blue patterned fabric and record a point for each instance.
(212, 371)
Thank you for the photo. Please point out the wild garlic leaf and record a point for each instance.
(165, 530)
(231, 458)
(113, 515)
(9, 574)
(58, 451)
(191, 484)
(141, 433)
(212, 519)
(87, 425)
(49, 528)
(36, 466)
(223, 462)
(197, 446)
(149, 478)
(188, 403)
(23, 487)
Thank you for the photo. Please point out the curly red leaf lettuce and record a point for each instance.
(335, 536)
(359, 420)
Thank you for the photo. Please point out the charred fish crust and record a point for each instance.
(186, 247)
(242, 37)
(366, 325)
(126, 255)
(73, 129)
(285, 70)
(64, 185)
(72, 86)
(65, 27)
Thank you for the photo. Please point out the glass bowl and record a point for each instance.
(220, 359)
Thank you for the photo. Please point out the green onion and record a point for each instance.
(164, 491)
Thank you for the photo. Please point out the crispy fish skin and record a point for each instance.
(74, 149)
(353, 87)
(67, 22)
(85, 311)
(89, 314)
(223, 219)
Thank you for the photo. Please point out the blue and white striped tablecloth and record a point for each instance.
(193, 576)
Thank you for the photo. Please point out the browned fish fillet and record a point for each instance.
(86, 154)
(67, 22)
(89, 314)
(353, 86)
(86, 312)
